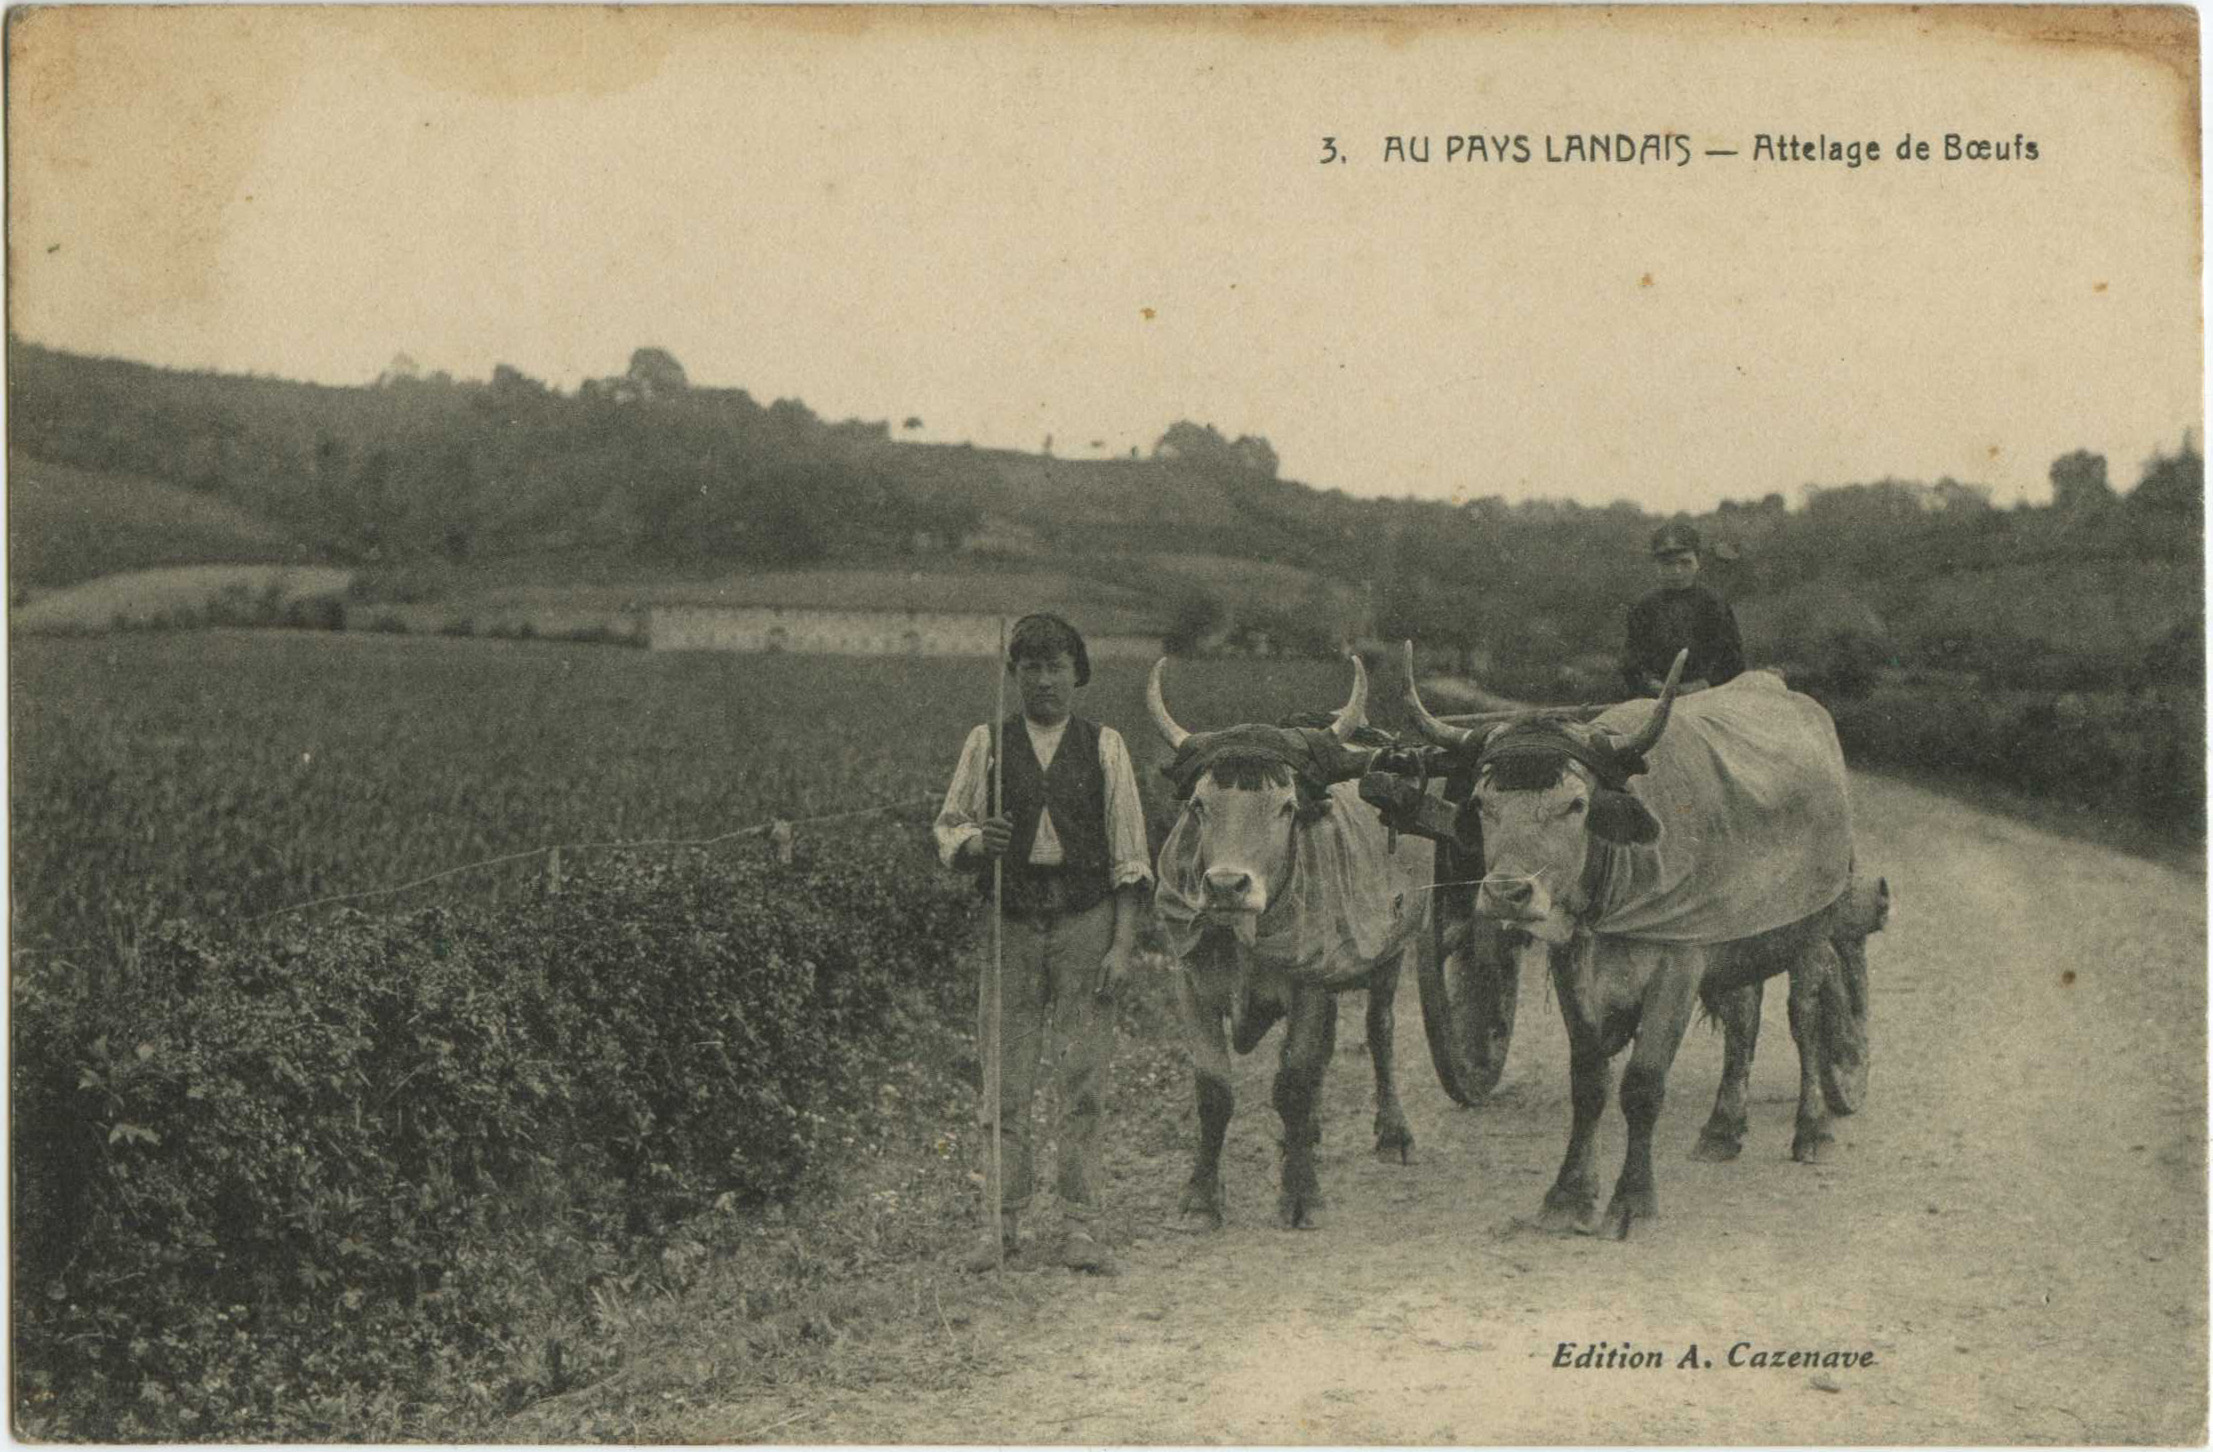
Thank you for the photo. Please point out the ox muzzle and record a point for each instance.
(1236, 898)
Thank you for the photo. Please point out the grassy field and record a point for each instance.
(67, 525)
(225, 774)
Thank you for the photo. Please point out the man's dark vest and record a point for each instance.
(1074, 787)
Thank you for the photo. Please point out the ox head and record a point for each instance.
(1544, 788)
(1245, 788)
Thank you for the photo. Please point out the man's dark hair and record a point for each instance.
(1045, 635)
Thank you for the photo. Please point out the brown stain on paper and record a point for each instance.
(184, 97)
(169, 88)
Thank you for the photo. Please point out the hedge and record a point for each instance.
(2140, 759)
(257, 1182)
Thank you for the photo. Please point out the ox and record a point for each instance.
(1568, 849)
(1276, 893)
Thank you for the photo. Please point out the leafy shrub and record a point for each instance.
(2140, 758)
(260, 1181)
(319, 612)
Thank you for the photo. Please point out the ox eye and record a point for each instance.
(1576, 807)
(1288, 809)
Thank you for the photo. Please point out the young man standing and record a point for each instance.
(1071, 841)
(1680, 615)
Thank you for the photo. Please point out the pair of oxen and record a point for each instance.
(1492, 832)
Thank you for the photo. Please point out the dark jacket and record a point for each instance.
(1667, 621)
(1074, 787)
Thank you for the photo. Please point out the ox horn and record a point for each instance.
(1438, 732)
(1355, 712)
(1649, 735)
(1164, 723)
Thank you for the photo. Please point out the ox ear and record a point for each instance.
(1620, 818)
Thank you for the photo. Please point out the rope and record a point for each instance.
(770, 825)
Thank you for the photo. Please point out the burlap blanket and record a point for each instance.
(1749, 788)
(1349, 900)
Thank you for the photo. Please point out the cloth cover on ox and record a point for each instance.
(1349, 901)
(1749, 789)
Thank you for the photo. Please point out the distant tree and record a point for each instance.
(1256, 454)
(1954, 497)
(792, 416)
(507, 380)
(2173, 483)
(1205, 446)
(2078, 481)
(1187, 440)
(912, 422)
(655, 373)
(1196, 616)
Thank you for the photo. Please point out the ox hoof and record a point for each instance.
(1400, 1152)
(1200, 1210)
(1811, 1147)
(1717, 1149)
(1626, 1210)
(1301, 1212)
(1569, 1214)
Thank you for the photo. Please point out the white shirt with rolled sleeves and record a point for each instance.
(968, 802)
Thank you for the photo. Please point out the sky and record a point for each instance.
(1087, 225)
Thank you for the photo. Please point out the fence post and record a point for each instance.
(779, 838)
(553, 873)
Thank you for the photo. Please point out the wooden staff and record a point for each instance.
(998, 891)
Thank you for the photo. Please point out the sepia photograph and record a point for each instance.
(1106, 725)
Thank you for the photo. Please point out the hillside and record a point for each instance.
(67, 525)
(643, 484)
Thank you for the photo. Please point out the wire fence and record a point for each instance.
(780, 831)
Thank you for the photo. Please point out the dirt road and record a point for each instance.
(2014, 1226)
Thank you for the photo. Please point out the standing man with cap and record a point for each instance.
(1076, 866)
(1680, 615)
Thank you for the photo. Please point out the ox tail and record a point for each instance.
(1709, 1007)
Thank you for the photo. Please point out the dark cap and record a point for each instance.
(1675, 539)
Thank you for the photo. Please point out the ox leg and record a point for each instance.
(1572, 1202)
(1201, 1206)
(1738, 1012)
(1308, 1042)
(1813, 1141)
(1393, 1140)
(1662, 1019)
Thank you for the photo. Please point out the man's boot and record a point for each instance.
(987, 1254)
(1081, 1251)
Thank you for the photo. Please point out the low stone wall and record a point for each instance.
(850, 632)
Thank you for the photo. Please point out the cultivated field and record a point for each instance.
(228, 774)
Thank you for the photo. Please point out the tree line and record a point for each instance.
(647, 466)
